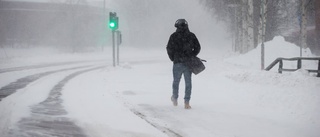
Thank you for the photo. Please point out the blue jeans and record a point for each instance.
(178, 70)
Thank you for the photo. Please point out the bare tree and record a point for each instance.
(240, 16)
(317, 22)
(262, 31)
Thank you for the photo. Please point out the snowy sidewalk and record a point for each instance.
(225, 103)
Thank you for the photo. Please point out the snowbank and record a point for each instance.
(274, 49)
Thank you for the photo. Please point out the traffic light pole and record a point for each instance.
(113, 25)
(118, 44)
(113, 49)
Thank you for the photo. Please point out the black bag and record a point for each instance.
(196, 65)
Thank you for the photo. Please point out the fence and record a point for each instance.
(299, 64)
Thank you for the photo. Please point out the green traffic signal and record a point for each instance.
(112, 25)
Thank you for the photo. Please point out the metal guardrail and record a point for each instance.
(299, 64)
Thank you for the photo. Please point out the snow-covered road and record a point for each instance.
(133, 100)
(44, 115)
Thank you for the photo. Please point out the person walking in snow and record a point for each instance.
(181, 47)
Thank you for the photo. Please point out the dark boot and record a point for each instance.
(187, 105)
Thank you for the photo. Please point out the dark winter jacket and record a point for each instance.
(182, 45)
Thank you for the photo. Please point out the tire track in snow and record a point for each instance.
(23, 82)
(159, 127)
(165, 130)
(47, 118)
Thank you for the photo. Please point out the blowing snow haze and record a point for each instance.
(151, 22)
(80, 24)
(59, 75)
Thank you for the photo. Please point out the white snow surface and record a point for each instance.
(231, 98)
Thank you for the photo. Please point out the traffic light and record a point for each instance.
(113, 21)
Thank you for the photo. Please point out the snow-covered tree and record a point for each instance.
(283, 17)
